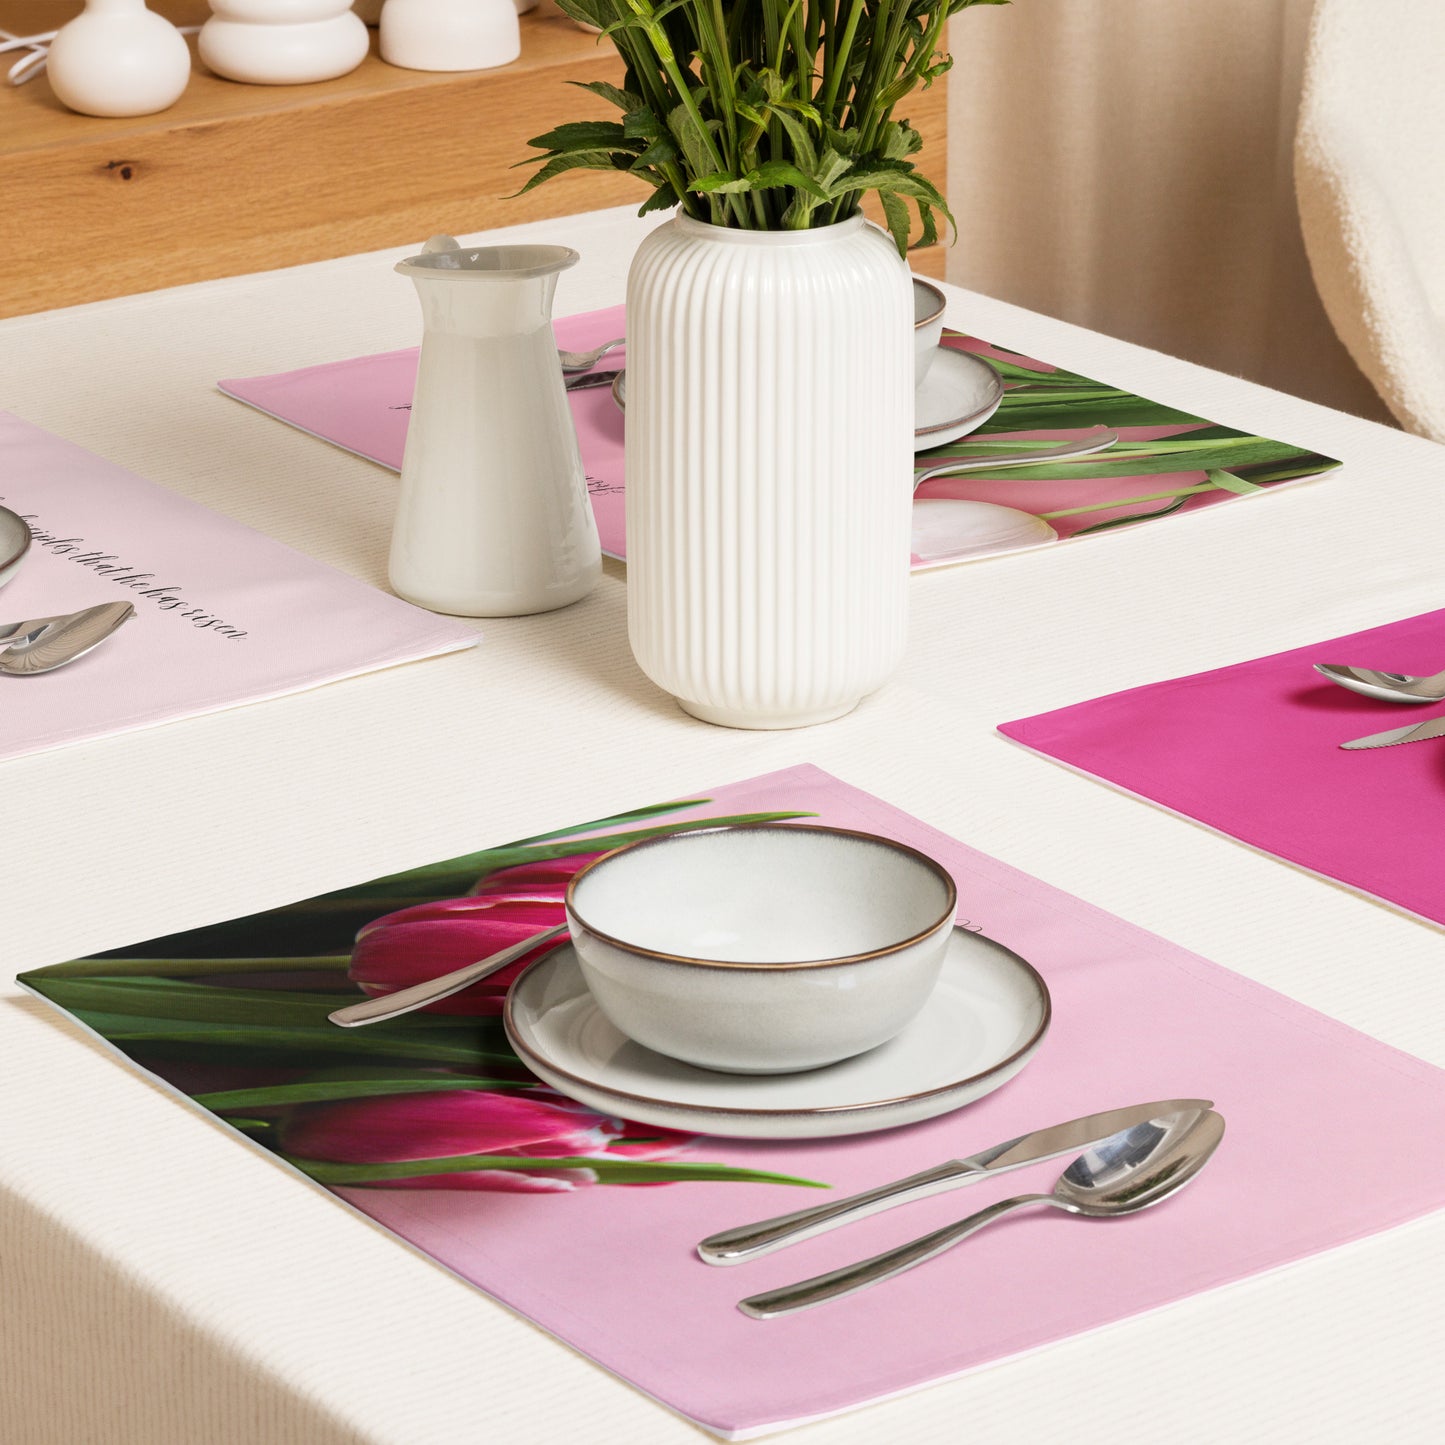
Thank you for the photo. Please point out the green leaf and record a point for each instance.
(179, 967)
(596, 13)
(644, 124)
(593, 160)
(1027, 415)
(155, 998)
(581, 135)
(301, 1045)
(624, 100)
(771, 175)
(895, 212)
(694, 140)
(617, 1170)
(662, 199)
(1227, 482)
(321, 1090)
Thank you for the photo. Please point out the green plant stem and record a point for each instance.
(839, 66)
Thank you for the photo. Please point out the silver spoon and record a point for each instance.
(62, 640)
(1128, 1171)
(13, 633)
(1386, 686)
(407, 1000)
(1065, 451)
(586, 360)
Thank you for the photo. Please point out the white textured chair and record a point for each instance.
(1370, 179)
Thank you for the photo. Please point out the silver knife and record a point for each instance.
(1411, 733)
(589, 378)
(749, 1241)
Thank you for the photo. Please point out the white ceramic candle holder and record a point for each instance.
(283, 42)
(450, 34)
(118, 58)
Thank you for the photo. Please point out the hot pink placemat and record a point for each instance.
(1254, 751)
(610, 1268)
(224, 615)
(1165, 461)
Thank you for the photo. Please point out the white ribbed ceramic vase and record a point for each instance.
(769, 459)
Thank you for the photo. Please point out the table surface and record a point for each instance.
(163, 1284)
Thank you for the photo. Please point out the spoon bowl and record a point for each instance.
(1123, 1174)
(586, 360)
(48, 643)
(1385, 686)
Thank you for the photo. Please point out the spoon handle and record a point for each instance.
(994, 461)
(807, 1293)
(406, 1000)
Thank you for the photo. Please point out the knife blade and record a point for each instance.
(590, 378)
(1410, 733)
(750, 1241)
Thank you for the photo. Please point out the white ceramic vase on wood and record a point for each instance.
(450, 34)
(283, 42)
(769, 459)
(118, 58)
(493, 518)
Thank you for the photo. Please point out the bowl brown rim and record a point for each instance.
(27, 539)
(938, 296)
(948, 915)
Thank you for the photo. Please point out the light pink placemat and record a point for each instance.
(611, 1269)
(224, 615)
(363, 406)
(1254, 751)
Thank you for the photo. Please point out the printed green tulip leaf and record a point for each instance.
(314, 1091)
(618, 1170)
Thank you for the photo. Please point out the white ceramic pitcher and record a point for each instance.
(493, 518)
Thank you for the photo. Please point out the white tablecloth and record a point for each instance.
(160, 1284)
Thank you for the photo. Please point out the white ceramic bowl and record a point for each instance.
(929, 304)
(14, 543)
(761, 949)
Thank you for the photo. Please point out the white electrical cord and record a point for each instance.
(38, 51)
(31, 64)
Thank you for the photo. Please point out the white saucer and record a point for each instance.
(985, 1020)
(959, 394)
(950, 528)
(14, 543)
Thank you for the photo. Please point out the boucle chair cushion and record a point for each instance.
(1370, 180)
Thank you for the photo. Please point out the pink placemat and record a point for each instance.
(610, 1269)
(1253, 751)
(1165, 460)
(224, 615)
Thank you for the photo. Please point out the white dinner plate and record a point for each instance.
(14, 543)
(984, 1022)
(959, 394)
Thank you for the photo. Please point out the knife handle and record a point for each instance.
(748, 1241)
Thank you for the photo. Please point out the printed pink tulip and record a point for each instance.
(537, 1124)
(545, 876)
(430, 939)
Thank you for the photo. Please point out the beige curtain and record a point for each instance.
(1126, 165)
